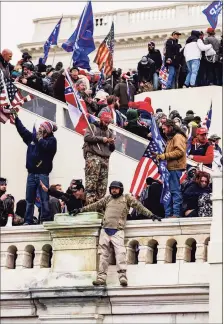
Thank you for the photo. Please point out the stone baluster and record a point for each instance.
(180, 253)
(142, 254)
(37, 259)
(161, 255)
(3, 259)
(200, 253)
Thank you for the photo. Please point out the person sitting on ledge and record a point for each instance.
(116, 207)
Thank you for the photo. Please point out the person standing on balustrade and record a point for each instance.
(99, 143)
(41, 149)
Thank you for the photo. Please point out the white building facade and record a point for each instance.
(134, 28)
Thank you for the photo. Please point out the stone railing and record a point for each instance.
(70, 244)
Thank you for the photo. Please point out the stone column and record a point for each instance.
(74, 242)
(215, 254)
(200, 253)
(37, 259)
(161, 256)
(19, 259)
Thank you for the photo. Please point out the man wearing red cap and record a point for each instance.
(201, 151)
(98, 146)
(212, 67)
(41, 149)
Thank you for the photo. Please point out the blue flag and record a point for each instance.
(159, 142)
(52, 40)
(81, 42)
(101, 79)
(212, 12)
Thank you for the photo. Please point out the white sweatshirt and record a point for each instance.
(192, 51)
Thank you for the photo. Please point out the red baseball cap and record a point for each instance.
(201, 131)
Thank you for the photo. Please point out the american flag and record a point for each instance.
(10, 98)
(208, 119)
(163, 76)
(147, 167)
(105, 53)
(101, 79)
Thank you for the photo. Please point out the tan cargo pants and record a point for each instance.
(117, 241)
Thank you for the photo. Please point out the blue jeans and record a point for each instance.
(193, 67)
(155, 81)
(33, 183)
(174, 208)
(171, 77)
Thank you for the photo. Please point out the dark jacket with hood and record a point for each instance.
(155, 55)
(172, 52)
(146, 71)
(40, 154)
(35, 82)
(68, 198)
(120, 91)
(191, 194)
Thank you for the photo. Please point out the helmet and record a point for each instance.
(174, 114)
(116, 184)
(28, 65)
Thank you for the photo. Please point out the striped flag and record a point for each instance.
(163, 76)
(10, 98)
(77, 108)
(105, 53)
(147, 167)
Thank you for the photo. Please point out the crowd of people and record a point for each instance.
(198, 63)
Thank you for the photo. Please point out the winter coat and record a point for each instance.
(35, 83)
(175, 152)
(120, 91)
(152, 202)
(94, 137)
(172, 52)
(155, 55)
(214, 42)
(59, 88)
(40, 154)
(202, 153)
(192, 50)
(191, 194)
(68, 198)
(146, 71)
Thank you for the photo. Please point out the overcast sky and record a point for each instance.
(17, 18)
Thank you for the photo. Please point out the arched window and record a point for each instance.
(28, 256)
(11, 257)
(133, 251)
(190, 250)
(171, 251)
(206, 249)
(152, 251)
(46, 256)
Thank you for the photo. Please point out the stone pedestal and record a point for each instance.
(75, 241)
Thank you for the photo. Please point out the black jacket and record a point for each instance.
(173, 52)
(68, 198)
(40, 154)
(35, 82)
(191, 193)
(146, 71)
(121, 92)
(155, 55)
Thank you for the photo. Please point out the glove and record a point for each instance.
(155, 217)
(74, 212)
(161, 156)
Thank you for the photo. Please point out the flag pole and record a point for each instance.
(54, 56)
(74, 48)
(71, 85)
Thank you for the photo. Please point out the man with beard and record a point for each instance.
(175, 154)
(98, 146)
(6, 203)
(116, 207)
(30, 79)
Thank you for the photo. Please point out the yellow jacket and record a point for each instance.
(175, 152)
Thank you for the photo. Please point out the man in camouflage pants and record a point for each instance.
(98, 146)
(116, 207)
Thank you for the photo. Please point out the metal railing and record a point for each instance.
(55, 110)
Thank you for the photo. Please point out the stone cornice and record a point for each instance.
(113, 12)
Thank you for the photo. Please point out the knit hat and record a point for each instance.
(106, 117)
(210, 30)
(49, 127)
(132, 114)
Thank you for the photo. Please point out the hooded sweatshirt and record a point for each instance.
(194, 46)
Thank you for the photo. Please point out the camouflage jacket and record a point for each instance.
(116, 210)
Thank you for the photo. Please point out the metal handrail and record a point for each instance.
(112, 127)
